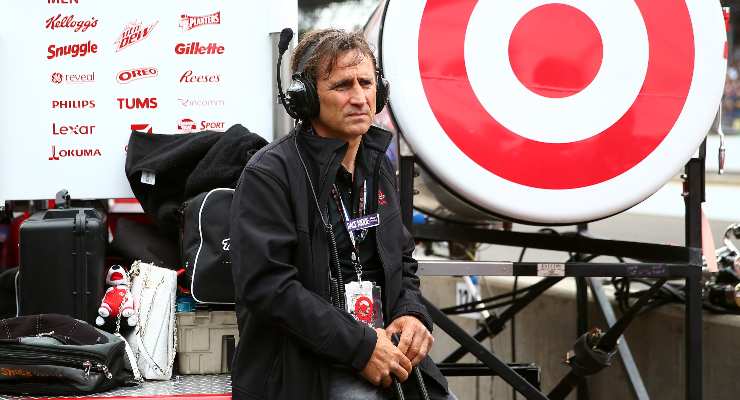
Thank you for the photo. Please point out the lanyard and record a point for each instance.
(344, 217)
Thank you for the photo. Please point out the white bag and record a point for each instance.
(154, 339)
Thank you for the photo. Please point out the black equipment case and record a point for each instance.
(61, 270)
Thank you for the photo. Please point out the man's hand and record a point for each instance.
(386, 359)
(416, 341)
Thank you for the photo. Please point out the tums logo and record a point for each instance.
(69, 22)
(189, 77)
(133, 74)
(60, 78)
(75, 104)
(72, 129)
(137, 102)
(72, 153)
(133, 33)
(188, 22)
(196, 48)
(201, 102)
(75, 50)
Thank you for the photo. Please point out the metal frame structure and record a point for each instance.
(655, 261)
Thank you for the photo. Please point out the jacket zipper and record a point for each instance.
(376, 185)
(85, 361)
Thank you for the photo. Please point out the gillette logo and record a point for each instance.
(195, 48)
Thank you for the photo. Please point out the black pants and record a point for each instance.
(345, 384)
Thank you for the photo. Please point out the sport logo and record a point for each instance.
(188, 22)
(74, 104)
(60, 78)
(197, 48)
(74, 50)
(136, 103)
(186, 125)
(133, 74)
(147, 128)
(189, 77)
(215, 125)
(133, 33)
(69, 22)
(66, 153)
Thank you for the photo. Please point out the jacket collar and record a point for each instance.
(320, 149)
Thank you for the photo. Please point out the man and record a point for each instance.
(297, 338)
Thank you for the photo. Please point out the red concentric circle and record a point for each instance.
(535, 164)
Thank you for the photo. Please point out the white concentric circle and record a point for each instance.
(557, 120)
(481, 187)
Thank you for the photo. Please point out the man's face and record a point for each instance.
(346, 98)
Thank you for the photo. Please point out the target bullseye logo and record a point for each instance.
(555, 50)
(553, 111)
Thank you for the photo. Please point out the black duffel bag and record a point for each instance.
(205, 246)
(54, 354)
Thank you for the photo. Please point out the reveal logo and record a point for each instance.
(188, 22)
(129, 75)
(133, 33)
(60, 78)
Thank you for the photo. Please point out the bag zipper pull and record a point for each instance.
(105, 370)
(87, 365)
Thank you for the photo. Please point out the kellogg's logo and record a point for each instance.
(190, 77)
(133, 33)
(73, 153)
(69, 22)
(74, 50)
(129, 75)
(60, 78)
(188, 22)
(197, 49)
(186, 125)
(74, 104)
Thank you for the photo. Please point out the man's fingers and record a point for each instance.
(386, 381)
(399, 372)
(406, 340)
(405, 363)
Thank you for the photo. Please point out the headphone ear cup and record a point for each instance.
(303, 102)
(382, 93)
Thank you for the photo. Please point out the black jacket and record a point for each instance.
(289, 332)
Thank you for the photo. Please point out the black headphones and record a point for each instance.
(302, 98)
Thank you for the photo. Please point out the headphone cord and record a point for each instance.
(336, 282)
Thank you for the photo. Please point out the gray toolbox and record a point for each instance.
(206, 341)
